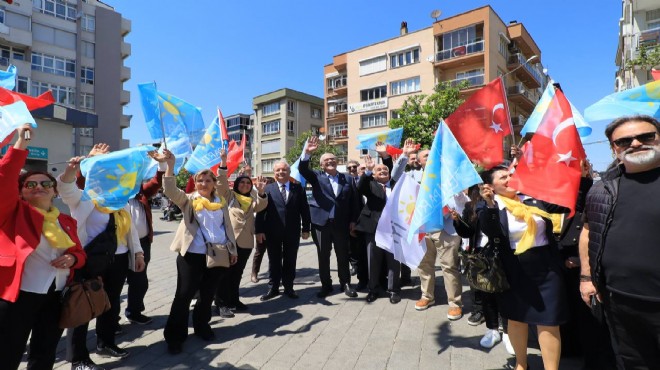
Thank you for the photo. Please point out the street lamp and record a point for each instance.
(530, 59)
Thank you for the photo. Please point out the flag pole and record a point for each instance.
(160, 118)
(508, 114)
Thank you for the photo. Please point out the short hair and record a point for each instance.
(353, 161)
(282, 161)
(324, 154)
(609, 130)
(487, 175)
(210, 173)
(24, 176)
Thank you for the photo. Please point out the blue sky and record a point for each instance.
(223, 53)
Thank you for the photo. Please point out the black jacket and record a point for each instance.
(280, 219)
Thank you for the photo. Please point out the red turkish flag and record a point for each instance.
(7, 97)
(550, 169)
(481, 123)
(234, 157)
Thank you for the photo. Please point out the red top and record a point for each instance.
(21, 226)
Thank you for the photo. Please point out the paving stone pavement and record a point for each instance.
(307, 333)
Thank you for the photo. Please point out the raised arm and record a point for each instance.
(303, 165)
(66, 183)
(10, 169)
(170, 189)
(259, 194)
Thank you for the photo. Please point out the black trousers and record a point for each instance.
(113, 281)
(488, 307)
(282, 257)
(192, 276)
(327, 235)
(259, 251)
(635, 328)
(227, 292)
(36, 313)
(138, 283)
(376, 257)
(359, 258)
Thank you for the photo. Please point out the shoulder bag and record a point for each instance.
(217, 255)
(484, 271)
(83, 301)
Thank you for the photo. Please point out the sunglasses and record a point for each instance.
(645, 138)
(47, 184)
(352, 167)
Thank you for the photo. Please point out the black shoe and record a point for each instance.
(476, 318)
(395, 298)
(349, 291)
(324, 292)
(239, 307)
(372, 296)
(86, 365)
(111, 351)
(291, 293)
(174, 348)
(272, 293)
(224, 312)
(361, 286)
(206, 334)
(139, 319)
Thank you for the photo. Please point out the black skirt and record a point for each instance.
(537, 295)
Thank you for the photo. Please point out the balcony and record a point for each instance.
(473, 82)
(125, 74)
(650, 37)
(124, 97)
(125, 26)
(337, 86)
(337, 135)
(522, 96)
(125, 120)
(125, 50)
(518, 121)
(337, 112)
(460, 55)
(528, 74)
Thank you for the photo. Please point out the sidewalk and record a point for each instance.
(307, 333)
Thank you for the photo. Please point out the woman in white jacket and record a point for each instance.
(113, 247)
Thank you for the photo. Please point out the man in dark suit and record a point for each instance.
(334, 208)
(357, 252)
(279, 227)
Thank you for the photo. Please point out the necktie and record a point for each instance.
(283, 191)
(384, 189)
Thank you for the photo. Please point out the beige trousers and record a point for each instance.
(446, 247)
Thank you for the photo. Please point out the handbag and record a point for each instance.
(217, 255)
(83, 301)
(484, 270)
(101, 250)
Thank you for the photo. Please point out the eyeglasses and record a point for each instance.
(645, 138)
(351, 167)
(47, 184)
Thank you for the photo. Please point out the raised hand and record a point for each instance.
(260, 185)
(223, 157)
(381, 149)
(487, 193)
(409, 147)
(71, 169)
(515, 152)
(21, 141)
(98, 149)
(585, 167)
(312, 145)
(158, 157)
(369, 162)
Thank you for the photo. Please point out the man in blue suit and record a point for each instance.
(279, 227)
(334, 209)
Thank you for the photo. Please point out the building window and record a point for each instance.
(394, 114)
(87, 132)
(474, 76)
(316, 113)
(374, 93)
(88, 49)
(373, 65)
(54, 65)
(338, 130)
(316, 131)
(290, 106)
(504, 47)
(405, 86)
(271, 108)
(87, 75)
(87, 101)
(290, 127)
(272, 127)
(88, 22)
(336, 82)
(270, 146)
(85, 149)
(373, 120)
(56, 8)
(62, 94)
(2, 16)
(18, 54)
(22, 85)
(267, 165)
(404, 58)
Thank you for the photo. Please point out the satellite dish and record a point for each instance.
(436, 14)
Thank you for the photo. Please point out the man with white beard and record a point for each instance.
(620, 243)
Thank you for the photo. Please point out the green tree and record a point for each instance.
(646, 59)
(420, 114)
(182, 178)
(296, 150)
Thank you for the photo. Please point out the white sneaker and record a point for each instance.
(507, 344)
(490, 339)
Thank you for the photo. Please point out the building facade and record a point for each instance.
(76, 49)
(238, 125)
(279, 117)
(365, 87)
(639, 31)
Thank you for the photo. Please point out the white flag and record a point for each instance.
(392, 230)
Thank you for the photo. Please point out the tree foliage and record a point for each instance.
(420, 114)
(646, 59)
(294, 152)
(182, 178)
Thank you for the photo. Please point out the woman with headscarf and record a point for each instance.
(113, 247)
(39, 251)
(205, 220)
(243, 201)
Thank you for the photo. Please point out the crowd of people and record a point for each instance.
(586, 284)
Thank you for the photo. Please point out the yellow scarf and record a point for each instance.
(52, 231)
(524, 212)
(122, 222)
(556, 222)
(244, 201)
(203, 203)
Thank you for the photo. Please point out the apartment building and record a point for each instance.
(639, 28)
(365, 87)
(76, 49)
(279, 117)
(237, 125)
